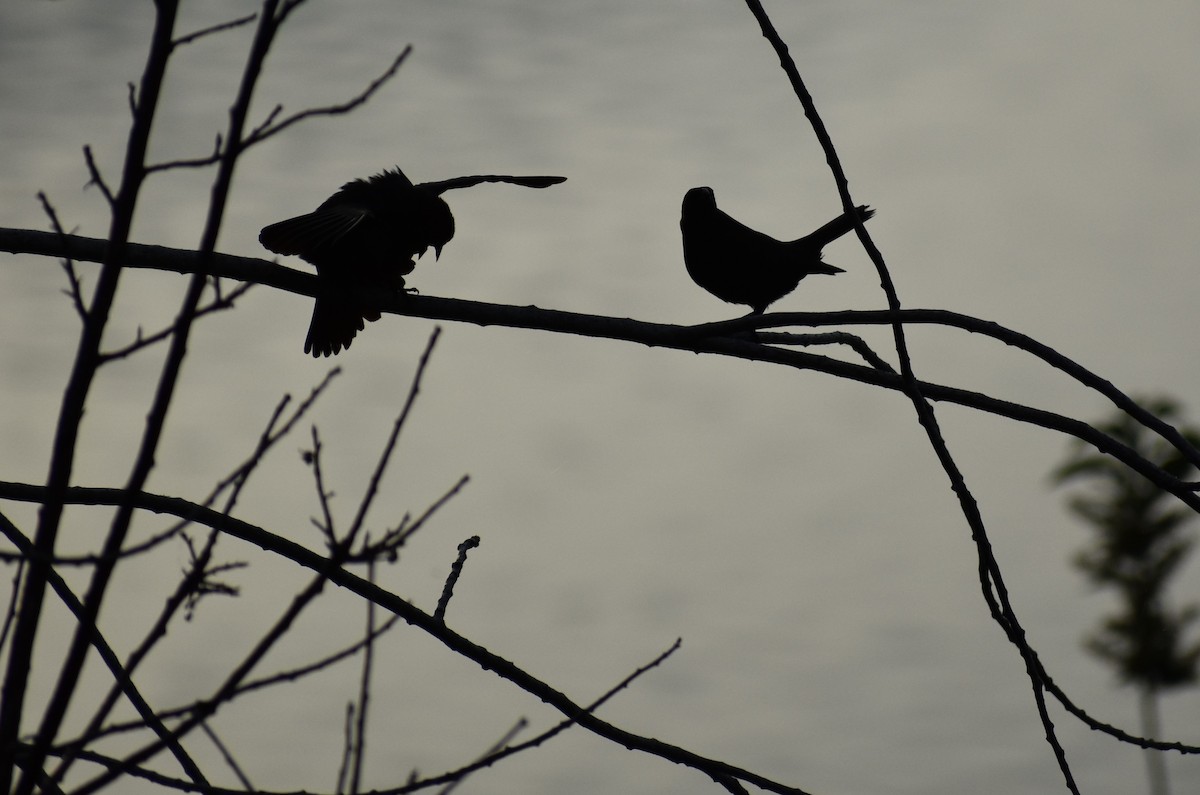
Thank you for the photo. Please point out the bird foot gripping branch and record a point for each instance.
(366, 237)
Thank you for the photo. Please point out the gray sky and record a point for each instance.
(1034, 164)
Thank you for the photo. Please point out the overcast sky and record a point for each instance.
(1031, 163)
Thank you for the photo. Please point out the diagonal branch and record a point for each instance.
(305, 557)
(69, 674)
(486, 659)
(94, 636)
(995, 591)
(270, 127)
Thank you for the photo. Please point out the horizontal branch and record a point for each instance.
(163, 258)
(727, 338)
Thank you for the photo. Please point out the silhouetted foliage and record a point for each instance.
(1139, 546)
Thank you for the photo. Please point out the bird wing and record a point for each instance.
(437, 188)
(306, 234)
(738, 235)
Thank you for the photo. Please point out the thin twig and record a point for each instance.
(172, 366)
(94, 170)
(347, 749)
(853, 341)
(272, 433)
(227, 755)
(385, 456)
(227, 690)
(313, 459)
(193, 162)
(10, 614)
(393, 540)
(193, 584)
(220, 27)
(75, 291)
(991, 581)
(70, 417)
(487, 660)
(364, 692)
(502, 753)
(282, 677)
(269, 128)
(94, 637)
(217, 305)
(495, 748)
(91, 560)
(452, 579)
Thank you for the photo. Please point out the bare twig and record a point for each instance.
(193, 162)
(347, 749)
(70, 416)
(191, 587)
(229, 688)
(503, 752)
(220, 27)
(227, 755)
(326, 526)
(364, 692)
(172, 366)
(991, 580)
(487, 660)
(91, 560)
(201, 574)
(93, 169)
(269, 127)
(854, 341)
(218, 304)
(496, 747)
(10, 613)
(282, 677)
(271, 434)
(88, 628)
(452, 579)
(74, 291)
(393, 540)
(389, 447)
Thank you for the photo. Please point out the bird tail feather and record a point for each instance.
(821, 266)
(836, 228)
(334, 325)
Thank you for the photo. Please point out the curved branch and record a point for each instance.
(486, 659)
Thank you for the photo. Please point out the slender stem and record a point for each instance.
(1156, 763)
(70, 418)
(991, 581)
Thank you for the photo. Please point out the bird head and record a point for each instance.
(441, 229)
(432, 216)
(701, 198)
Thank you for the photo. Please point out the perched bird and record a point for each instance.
(364, 238)
(742, 266)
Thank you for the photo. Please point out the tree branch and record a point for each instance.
(726, 338)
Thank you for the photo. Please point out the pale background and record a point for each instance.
(1037, 164)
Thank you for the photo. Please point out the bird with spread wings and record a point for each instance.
(365, 237)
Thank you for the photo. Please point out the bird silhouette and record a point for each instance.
(740, 265)
(364, 239)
